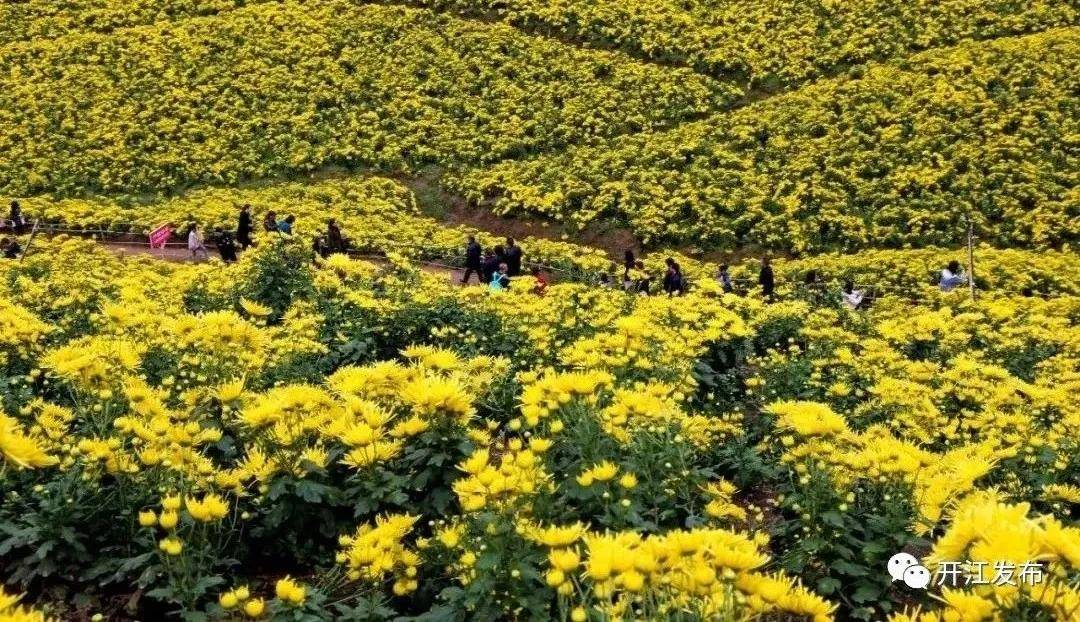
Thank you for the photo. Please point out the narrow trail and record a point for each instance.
(178, 253)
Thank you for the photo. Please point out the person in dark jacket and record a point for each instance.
(270, 222)
(628, 264)
(10, 248)
(673, 278)
(765, 279)
(513, 255)
(490, 265)
(335, 241)
(473, 261)
(17, 221)
(226, 246)
(319, 245)
(243, 227)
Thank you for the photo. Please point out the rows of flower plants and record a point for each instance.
(291, 87)
(898, 155)
(379, 215)
(301, 441)
(778, 41)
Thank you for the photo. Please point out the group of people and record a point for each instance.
(498, 266)
(495, 267)
(223, 240)
(636, 279)
(952, 276)
(329, 242)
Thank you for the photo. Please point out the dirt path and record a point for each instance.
(180, 254)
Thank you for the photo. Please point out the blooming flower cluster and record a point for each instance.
(586, 451)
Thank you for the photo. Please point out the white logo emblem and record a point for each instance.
(904, 567)
(899, 563)
(917, 577)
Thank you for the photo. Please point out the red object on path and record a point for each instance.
(159, 236)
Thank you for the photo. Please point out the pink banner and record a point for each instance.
(159, 236)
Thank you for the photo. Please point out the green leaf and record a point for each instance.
(161, 593)
(850, 569)
(828, 585)
(866, 592)
(833, 518)
(487, 561)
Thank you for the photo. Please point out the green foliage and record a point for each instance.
(277, 273)
(842, 545)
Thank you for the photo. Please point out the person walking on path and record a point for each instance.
(628, 264)
(490, 265)
(473, 261)
(195, 242)
(243, 227)
(514, 255)
(335, 241)
(226, 246)
(673, 278)
(16, 220)
(766, 280)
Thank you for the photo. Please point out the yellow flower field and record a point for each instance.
(897, 156)
(305, 436)
(397, 444)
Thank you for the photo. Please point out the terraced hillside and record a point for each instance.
(882, 424)
(900, 154)
(858, 142)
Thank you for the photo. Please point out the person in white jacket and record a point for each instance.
(852, 297)
(195, 242)
(952, 276)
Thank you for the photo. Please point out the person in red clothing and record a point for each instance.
(540, 281)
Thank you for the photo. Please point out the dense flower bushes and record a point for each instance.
(777, 41)
(158, 96)
(293, 437)
(309, 441)
(896, 156)
(291, 87)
